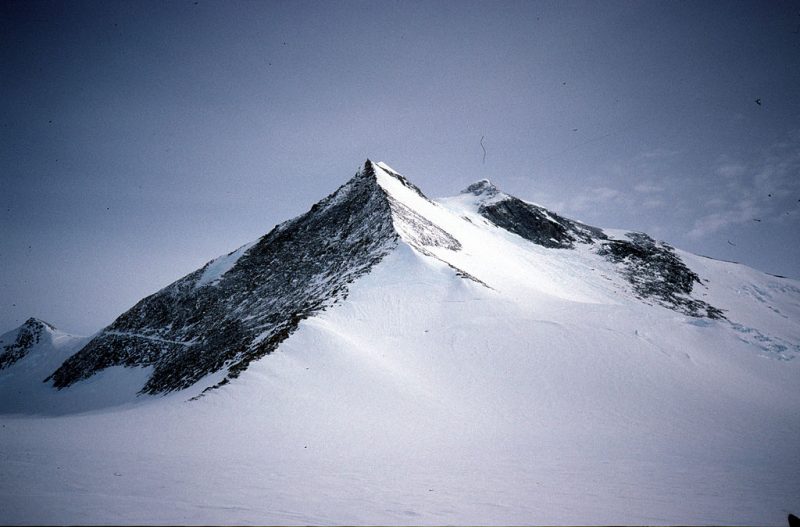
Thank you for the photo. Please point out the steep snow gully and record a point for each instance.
(388, 358)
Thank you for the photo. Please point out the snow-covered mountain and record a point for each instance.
(18, 343)
(387, 358)
(33, 351)
(240, 307)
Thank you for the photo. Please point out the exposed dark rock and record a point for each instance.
(199, 325)
(653, 269)
(483, 187)
(186, 331)
(28, 335)
(241, 307)
(656, 272)
(534, 223)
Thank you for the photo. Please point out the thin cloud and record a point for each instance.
(717, 202)
(653, 203)
(658, 153)
(648, 188)
(595, 197)
(765, 190)
(744, 211)
(729, 170)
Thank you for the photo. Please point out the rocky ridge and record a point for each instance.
(195, 327)
(240, 307)
(14, 347)
(652, 268)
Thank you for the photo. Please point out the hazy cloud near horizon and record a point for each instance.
(142, 139)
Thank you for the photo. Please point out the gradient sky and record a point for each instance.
(142, 139)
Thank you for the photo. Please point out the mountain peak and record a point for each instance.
(242, 306)
(372, 171)
(15, 344)
(38, 324)
(368, 169)
(484, 187)
(386, 169)
(298, 269)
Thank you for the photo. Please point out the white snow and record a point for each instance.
(23, 390)
(553, 396)
(215, 269)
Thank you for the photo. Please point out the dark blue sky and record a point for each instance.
(141, 139)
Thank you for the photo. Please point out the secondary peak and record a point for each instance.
(484, 187)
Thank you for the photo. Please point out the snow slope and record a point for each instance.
(22, 384)
(500, 382)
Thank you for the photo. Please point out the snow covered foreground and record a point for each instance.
(546, 394)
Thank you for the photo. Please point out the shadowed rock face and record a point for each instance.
(657, 273)
(653, 269)
(28, 335)
(186, 331)
(536, 224)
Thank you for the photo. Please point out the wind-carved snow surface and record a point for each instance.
(411, 361)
